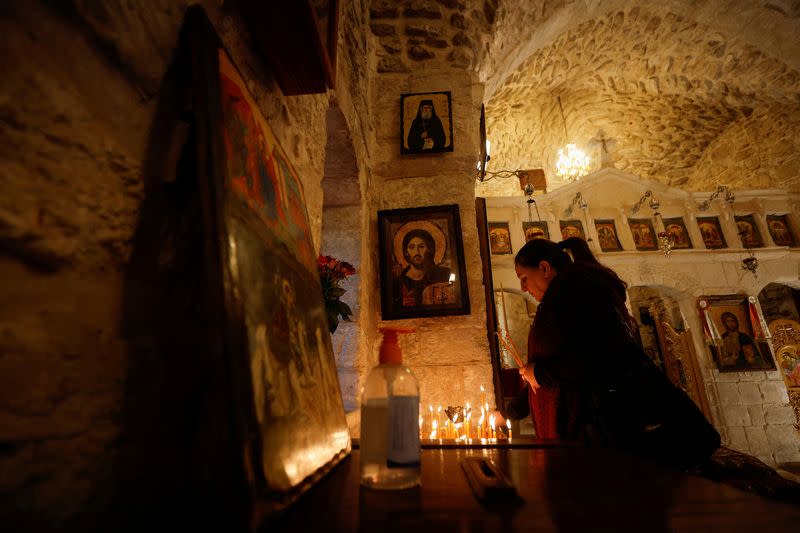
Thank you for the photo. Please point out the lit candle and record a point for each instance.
(480, 425)
(430, 408)
(508, 425)
(491, 423)
(420, 426)
(466, 425)
(433, 431)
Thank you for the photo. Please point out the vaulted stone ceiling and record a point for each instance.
(695, 93)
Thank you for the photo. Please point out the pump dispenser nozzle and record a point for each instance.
(390, 353)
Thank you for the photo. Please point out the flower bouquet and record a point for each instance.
(331, 273)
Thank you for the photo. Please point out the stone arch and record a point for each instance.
(341, 238)
(648, 74)
(522, 27)
(780, 299)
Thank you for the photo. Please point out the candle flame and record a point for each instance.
(491, 421)
(487, 407)
(439, 409)
(482, 389)
(420, 422)
(508, 424)
(455, 417)
(480, 422)
(466, 419)
(430, 408)
(468, 406)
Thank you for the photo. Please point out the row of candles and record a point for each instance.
(462, 427)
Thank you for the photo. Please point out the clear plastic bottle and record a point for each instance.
(390, 449)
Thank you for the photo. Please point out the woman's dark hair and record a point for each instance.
(537, 250)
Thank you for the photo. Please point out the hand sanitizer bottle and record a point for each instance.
(390, 449)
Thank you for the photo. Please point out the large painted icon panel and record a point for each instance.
(274, 332)
(422, 263)
(735, 333)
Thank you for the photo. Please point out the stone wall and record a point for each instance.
(341, 238)
(760, 151)
(412, 33)
(78, 111)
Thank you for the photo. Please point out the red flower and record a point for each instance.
(331, 273)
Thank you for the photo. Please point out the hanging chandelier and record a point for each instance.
(572, 164)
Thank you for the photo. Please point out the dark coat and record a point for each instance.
(584, 345)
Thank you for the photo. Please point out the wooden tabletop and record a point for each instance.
(563, 489)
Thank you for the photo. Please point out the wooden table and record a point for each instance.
(564, 489)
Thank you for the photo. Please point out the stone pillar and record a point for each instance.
(449, 355)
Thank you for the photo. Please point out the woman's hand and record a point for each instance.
(526, 373)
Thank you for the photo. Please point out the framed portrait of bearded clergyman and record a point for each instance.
(426, 123)
(422, 263)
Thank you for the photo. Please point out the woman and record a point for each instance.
(588, 378)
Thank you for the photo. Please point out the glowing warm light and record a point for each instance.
(303, 461)
(452, 278)
(433, 433)
(508, 425)
(572, 165)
